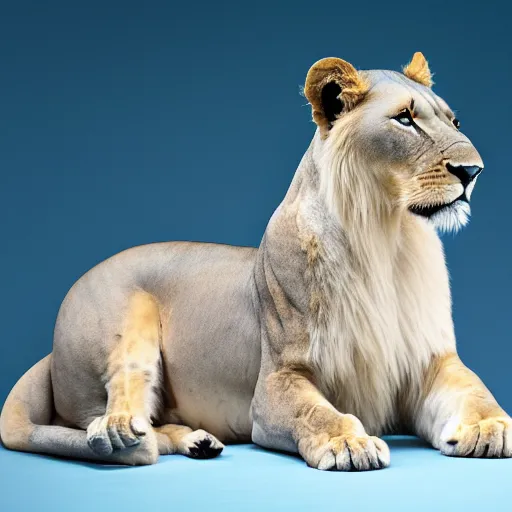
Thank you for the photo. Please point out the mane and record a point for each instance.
(373, 258)
(350, 189)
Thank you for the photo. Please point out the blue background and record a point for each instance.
(124, 123)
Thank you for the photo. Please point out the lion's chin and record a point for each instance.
(449, 217)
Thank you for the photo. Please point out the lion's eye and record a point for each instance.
(456, 123)
(404, 117)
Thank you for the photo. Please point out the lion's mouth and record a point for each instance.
(428, 211)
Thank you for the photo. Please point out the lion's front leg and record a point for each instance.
(289, 413)
(459, 415)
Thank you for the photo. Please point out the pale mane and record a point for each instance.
(382, 299)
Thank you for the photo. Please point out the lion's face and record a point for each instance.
(413, 140)
(403, 134)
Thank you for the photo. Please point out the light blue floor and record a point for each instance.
(248, 478)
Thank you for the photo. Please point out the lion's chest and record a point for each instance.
(374, 328)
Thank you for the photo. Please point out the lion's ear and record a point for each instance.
(332, 87)
(418, 70)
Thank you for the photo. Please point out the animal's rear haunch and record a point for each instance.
(123, 433)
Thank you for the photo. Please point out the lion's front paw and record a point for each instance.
(115, 432)
(347, 453)
(491, 437)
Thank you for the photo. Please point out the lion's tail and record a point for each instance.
(25, 421)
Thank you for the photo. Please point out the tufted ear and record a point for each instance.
(418, 70)
(332, 87)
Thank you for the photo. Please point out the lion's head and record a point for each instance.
(387, 142)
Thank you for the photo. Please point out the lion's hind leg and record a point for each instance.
(133, 373)
(197, 444)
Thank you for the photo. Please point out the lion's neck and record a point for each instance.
(349, 199)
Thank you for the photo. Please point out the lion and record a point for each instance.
(336, 331)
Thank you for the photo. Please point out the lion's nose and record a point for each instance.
(465, 173)
(472, 171)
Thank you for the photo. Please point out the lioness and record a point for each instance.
(337, 329)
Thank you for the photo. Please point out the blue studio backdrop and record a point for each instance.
(124, 123)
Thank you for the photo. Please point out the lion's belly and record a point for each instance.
(211, 342)
(212, 360)
(218, 409)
